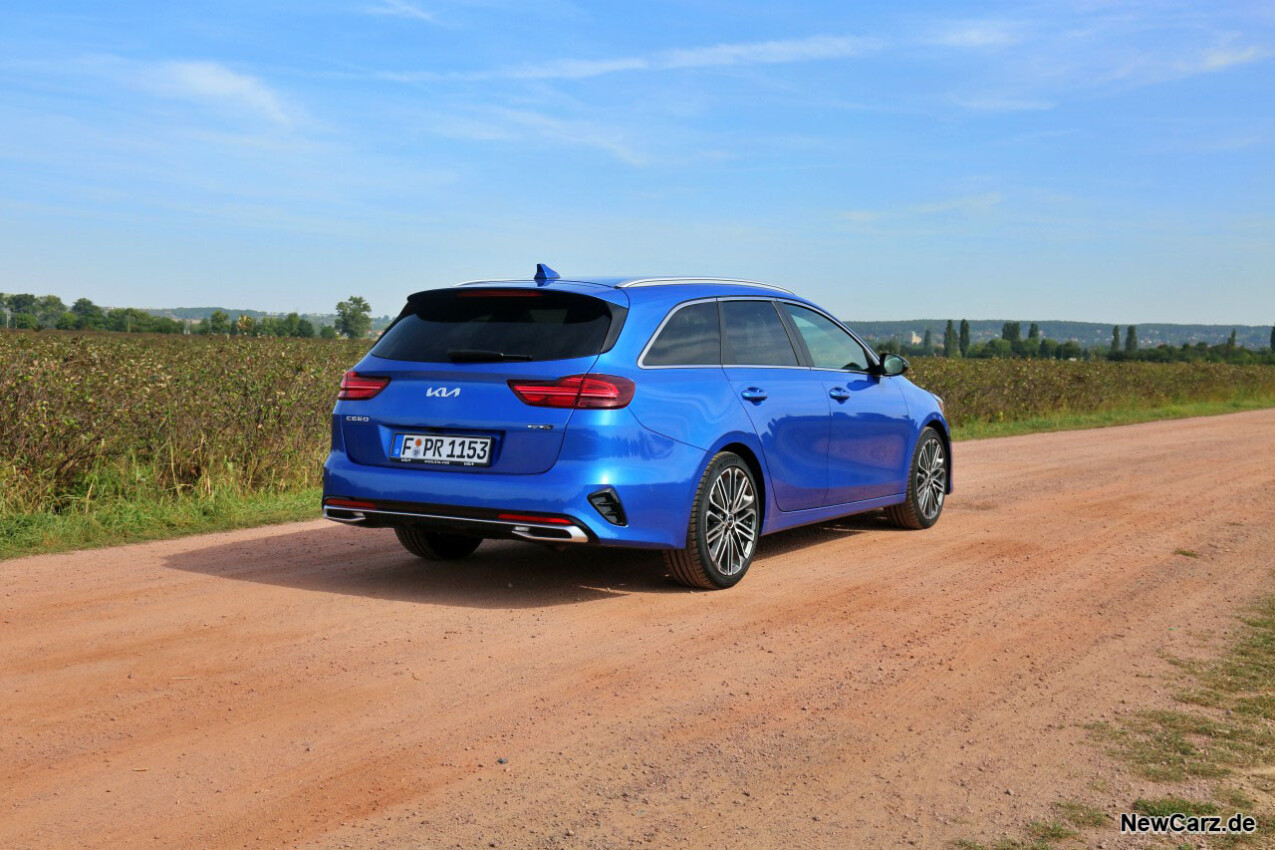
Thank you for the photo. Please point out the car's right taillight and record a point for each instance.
(605, 392)
(356, 387)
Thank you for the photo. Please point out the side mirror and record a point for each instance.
(893, 364)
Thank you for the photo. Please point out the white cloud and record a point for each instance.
(1225, 57)
(212, 82)
(400, 9)
(499, 125)
(818, 47)
(976, 34)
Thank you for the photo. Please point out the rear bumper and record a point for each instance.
(442, 518)
(653, 477)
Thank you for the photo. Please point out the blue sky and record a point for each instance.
(1073, 160)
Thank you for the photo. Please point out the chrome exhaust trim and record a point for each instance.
(354, 516)
(532, 532)
(539, 533)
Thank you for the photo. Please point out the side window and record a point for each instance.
(830, 346)
(691, 337)
(755, 335)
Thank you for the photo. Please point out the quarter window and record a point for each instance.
(691, 337)
(755, 335)
(830, 347)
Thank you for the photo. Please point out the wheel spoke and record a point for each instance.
(732, 521)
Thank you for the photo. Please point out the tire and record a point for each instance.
(927, 484)
(721, 538)
(436, 545)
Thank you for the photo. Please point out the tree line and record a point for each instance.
(48, 312)
(1012, 343)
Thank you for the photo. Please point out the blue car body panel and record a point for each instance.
(816, 457)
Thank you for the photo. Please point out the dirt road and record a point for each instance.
(314, 685)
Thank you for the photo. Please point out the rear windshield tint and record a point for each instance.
(469, 325)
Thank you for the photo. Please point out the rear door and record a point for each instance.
(787, 403)
(449, 358)
(870, 429)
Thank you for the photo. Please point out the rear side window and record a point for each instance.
(486, 325)
(691, 337)
(755, 335)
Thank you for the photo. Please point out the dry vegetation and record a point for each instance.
(93, 420)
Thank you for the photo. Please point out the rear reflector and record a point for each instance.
(349, 503)
(356, 387)
(539, 520)
(576, 391)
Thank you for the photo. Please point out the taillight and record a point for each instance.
(578, 391)
(356, 387)
(349, 503)
(527, 518)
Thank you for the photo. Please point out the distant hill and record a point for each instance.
(200, 313)
(1088, 334)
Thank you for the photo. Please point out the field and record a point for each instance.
(108, 437)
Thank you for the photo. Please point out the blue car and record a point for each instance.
(687, 415)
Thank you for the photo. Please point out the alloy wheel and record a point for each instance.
(731, 531)
(931, 479)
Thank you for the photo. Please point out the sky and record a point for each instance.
(1086, 160)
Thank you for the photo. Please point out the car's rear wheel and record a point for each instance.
(724, 527)
(927, 484)
(436, 545)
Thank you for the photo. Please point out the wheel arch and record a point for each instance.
(750, 457)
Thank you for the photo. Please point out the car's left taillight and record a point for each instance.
(605, 392)
(356, 387)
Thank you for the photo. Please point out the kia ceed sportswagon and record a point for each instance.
(689, 415)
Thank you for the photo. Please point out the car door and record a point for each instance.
(869, 428)
(786, 402)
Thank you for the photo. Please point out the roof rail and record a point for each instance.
(660, 281)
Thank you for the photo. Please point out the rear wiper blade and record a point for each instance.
(478, 355)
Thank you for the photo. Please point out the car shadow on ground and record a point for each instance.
(501, 574)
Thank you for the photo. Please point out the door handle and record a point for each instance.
(755, 394)
(839, 393)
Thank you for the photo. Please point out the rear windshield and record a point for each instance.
(484, 325)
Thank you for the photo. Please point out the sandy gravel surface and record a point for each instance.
(315, 685)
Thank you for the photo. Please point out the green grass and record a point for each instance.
(1081, 815)
(1225, 719)
(1222, 728)
(119, 521)
(1163, 806)
(1105, 419)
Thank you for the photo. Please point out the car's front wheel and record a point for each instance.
(436, 545)
(927, 484)
(725, 524)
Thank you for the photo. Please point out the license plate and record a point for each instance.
(443, 449)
